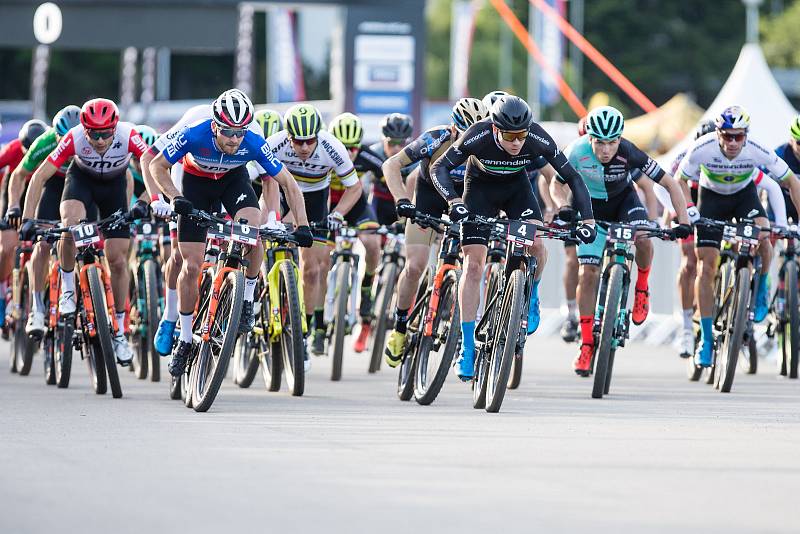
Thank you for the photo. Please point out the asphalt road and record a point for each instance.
(659, 454)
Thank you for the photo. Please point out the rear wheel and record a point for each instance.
(290, 353)
(605, 345)
(24, 346)
(505, 343)
(102, 344)
(138, 324)
(435, 352)
(791, 334)
(245, 359)
(340, 319)
(153, 314)
(383, 309)
(693, 372)
(208, 369)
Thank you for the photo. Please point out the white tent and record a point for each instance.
(752, 86)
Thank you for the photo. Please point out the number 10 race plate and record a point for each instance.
(85, 234)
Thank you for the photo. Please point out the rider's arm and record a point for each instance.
(646, 186)
(775, 197)
(159, 170)
(45, 171)
(793, 185)
(411, 181)
(149, 183)
(16, 185)
(352, 193)
(677, 196)
(394, 178)
(294, 197)
(544, 193)
(440, 172)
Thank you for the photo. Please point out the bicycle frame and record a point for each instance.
(616, 253)
(87, 257)
(448, 261)
(275, 255)
(345, 240)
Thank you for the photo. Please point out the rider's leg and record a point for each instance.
(571, 281)
(704, 287)
(314, 263)
(117, 250)
(588, 278)
(765, 251)
(468, 300)
(192, 253)
(72, 211)
(686, 277)
(40, 261)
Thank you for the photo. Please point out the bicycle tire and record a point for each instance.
(96, 365)
(737, 315)
(607, 329)
(693, 372)
(48, 359)
(175, 387)
(340, 318)
(383, 309)
(102, 340)
(136, 293)
(204, 384)
(792, 337)
(505, 342)
(721, 280)
(62, 351)
(408, 360)
(291, 354)
(749, 360)
(445, 326)
(24, 346)
(609, 372)
(245, 360)
(152, 302)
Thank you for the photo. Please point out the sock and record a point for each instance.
(171, 305)
(706, 327)
(687, 319)
(3, 287)
(309, 316)
(319, 319)
(535, 290)
(762, 283)
(641, 279)
(401, 320)
(533, 305)
(67, 281)
(572, 309)
(38, 301)
(250, 288)
(587, 321)
(186, 327)
(366, 282)
(120, 322)
(468, 337)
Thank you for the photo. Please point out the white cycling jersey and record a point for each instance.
(313, 174)
(108, 165)
(706, 162)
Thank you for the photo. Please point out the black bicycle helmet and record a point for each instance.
(704, 128)
(511, 113)
(397, 126)
(30, 131)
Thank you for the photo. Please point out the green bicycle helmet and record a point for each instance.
(148, 134)
(270, 121)
(795, 128)
(303, 121)
(605, 123)
(348, 129)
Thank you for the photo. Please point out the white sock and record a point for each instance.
(38, 302)
(171, 305)
(120, 323)
(186, 327)
(572, 309)
(249, 288)
(67, 281)
(688, 324)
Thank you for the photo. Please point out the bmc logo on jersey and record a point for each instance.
(176, 145)
(103, 165)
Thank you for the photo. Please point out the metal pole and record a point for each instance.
(575, 55)
(244, 49)
(752, 19)
(148, 93)
(163, 74)
(127, 90)
(504, 80)
(534, 23)
(40, 65)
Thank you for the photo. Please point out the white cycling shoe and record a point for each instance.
(122, 350)
(35, 324)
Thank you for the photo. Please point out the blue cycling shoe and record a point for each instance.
(2, 311)
(164, 337)
(533, 315)
(465, 365)
(762, 303)
(702, 358)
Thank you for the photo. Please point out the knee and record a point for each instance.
(311, 270)
(191, 267)
(117, 261)
(588, 275)
(689, 269)
(644, 244)
(414, 267)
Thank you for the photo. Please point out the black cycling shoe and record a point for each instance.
(177, 365)
(365, 309)
(247, 320)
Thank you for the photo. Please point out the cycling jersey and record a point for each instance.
(106, 166)
(10, 156)
(706, 161)
(201, 156)
(607, 180)
(364, 162)
(786, 153)
(313, 173)
(39, 150)
(428, 147)
(488, 162)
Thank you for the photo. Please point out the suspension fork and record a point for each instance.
(214, 303)
(436, 293)
(54, 292)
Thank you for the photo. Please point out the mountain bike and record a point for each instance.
(502, 330)
(785, 320)
(386, 277)
(145, 300)
(611, 327)
(24, 346)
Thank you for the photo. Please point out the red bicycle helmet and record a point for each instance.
(99, 114)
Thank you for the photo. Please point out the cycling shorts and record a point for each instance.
(626, 207)
(316, 210)
(233, 190)
(108, 194)
(360, 215)
(515, 197)
(721, 207)
(428, 202)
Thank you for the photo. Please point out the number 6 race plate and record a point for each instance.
(85, 234)
(243, 233)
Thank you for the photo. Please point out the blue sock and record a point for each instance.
(535, 291)
(762, 283)
(707, 329)
(468, 337)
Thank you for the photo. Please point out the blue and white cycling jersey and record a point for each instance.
(201, 156)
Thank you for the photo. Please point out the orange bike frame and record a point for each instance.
(87, 297)
(55, 291)
(433, 305)
(212, 306)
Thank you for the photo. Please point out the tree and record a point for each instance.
(779, 38)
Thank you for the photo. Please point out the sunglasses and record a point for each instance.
(100, 134)
(232, 132)
(303, 142)
(513, 136)
(733, 137)
(397, 142)
(354, 148)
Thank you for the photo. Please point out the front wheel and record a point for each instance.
(245, 359)
(340, 320)
(290, 351)
(152, 302)
(101, 343)
(505, 343)
(791, 330)
(24, 346)
(735, 325)
(605, 346)
(383, 310)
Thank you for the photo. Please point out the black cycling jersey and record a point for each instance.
(368, 161)
(488, 162)
(786, 153)
(428, 147)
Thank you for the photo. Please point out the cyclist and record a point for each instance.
(271, 123)
(790, 153)
(725, 163)
(425, 150)
(149, 136)
(312, 154)
(498, 153)
(100, 147)
(10, 156)
(41, 201)
(396, 130)
(215, 151)
(605, 160)
(490, 98)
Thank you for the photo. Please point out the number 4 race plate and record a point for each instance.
(85, 234)
(520, 233)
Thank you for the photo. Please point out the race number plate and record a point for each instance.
(219, 231)
(244, 233)
(747, 233)
(85, 234)
(146, 231)
(621, 234)
(520, 233)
